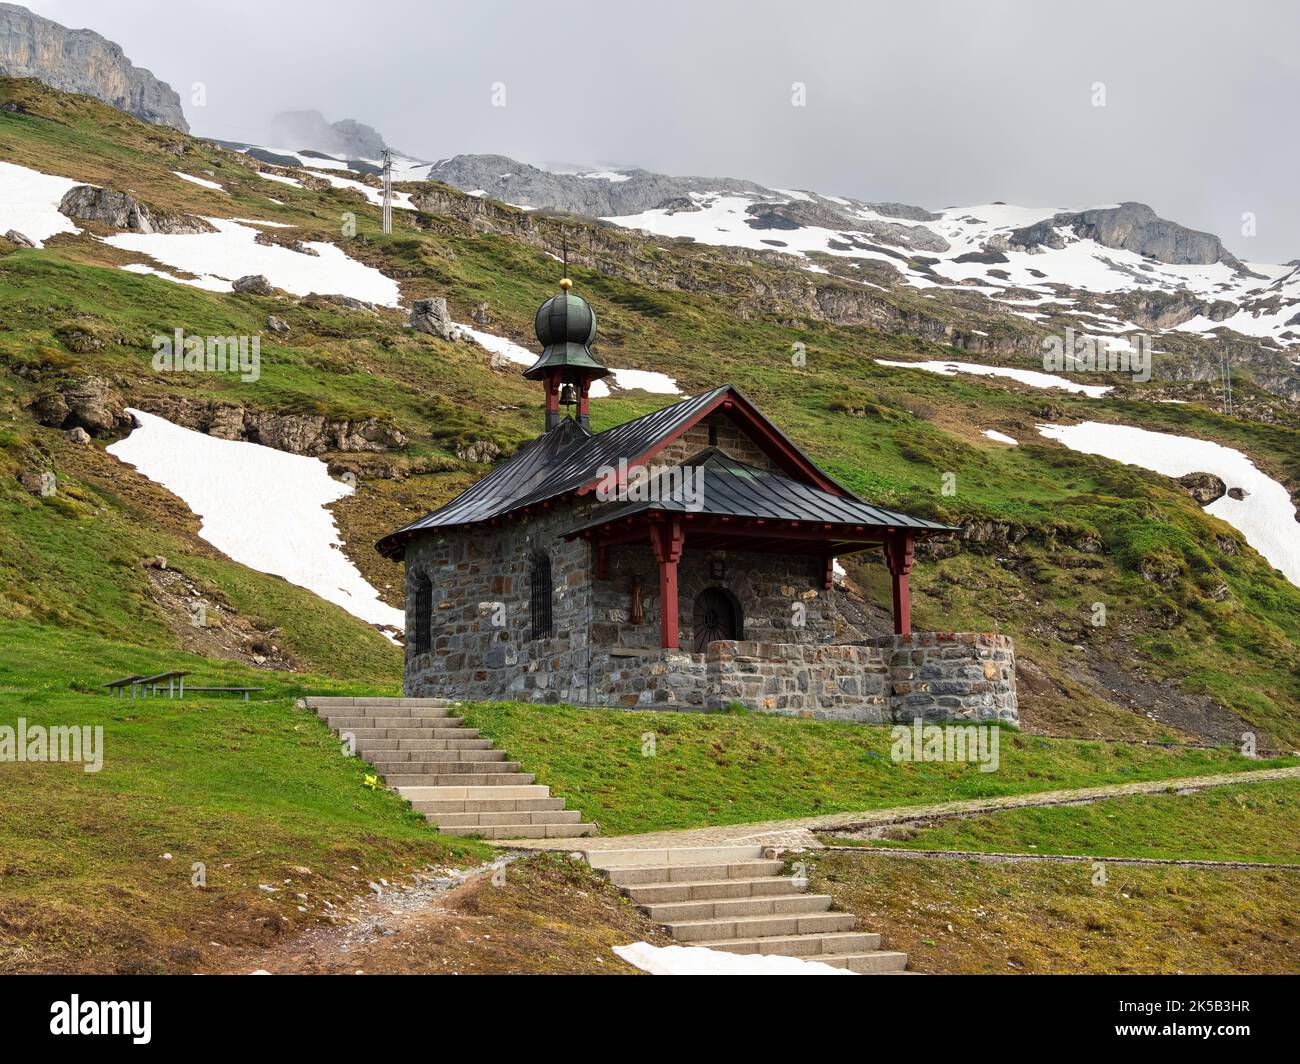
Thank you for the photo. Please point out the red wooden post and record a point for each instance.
(668, 539)
(552, 400)
(899, 554)
(828, 577)
(584, 403)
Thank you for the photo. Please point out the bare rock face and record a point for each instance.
(296, 433)
(87, 203)
(430, 316)
(90, 404)
(1205, 488)
(1131, 227)
(479, 451)
(19, 239)
(83, 61)
(276, 325)
(254, 284)
(309, 129)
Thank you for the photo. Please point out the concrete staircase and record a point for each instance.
(459, 781)
(732, 898)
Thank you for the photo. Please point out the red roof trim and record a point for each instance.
(771, 440)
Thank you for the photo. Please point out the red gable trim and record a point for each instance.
(771, 440)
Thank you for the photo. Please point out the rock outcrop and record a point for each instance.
(1131, 227)
(118, 210)
(605, 195)
(430, 316)
(91, 404)
(1205, 488)
(309, 129)
(83, 61)
(296, 433)
(253, 284)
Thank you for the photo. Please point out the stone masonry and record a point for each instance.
(796, 657)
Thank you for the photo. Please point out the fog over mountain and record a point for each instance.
(1069, 105)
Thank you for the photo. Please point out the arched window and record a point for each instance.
(717, 615)
(539, 598)
(422, 609)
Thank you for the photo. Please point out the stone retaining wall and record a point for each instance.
(847, 682)
(950, 676)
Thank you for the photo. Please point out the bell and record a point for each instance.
(568, 397)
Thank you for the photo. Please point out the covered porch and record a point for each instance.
(735, 507)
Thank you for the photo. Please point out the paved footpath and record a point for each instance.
(798, 834)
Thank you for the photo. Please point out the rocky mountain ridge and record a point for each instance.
(80, 60)
(310, 129)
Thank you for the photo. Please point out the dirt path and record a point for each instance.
(799, 833)
(521, 914)
(1056, 858)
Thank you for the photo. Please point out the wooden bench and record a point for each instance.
(230, 690)
(175, 682)
(147, 684)
(116, 687)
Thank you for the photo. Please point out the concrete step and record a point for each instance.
(330, 701)
(672, 856)
(461, 793)
(441, 768)
(425, 720)
(749, 927)
(456, 757)
(716, 890)
(525, 831)
(450, 806)
(388, 711)
(773, 905)
(638, 875)
(424, 744)
(872, 962)
(799, 945)
(410, 733)
(405, 778)
(545, 816)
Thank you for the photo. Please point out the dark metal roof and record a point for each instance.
(729, 488)
(560, 460)
(566, 329)
(567, 457)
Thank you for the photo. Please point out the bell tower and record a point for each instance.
(566, 329)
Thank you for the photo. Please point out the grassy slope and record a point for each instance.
(1243, 647)
(261, 787)
(967, 917)
(735, 768)
(1256, 822)
(255, 791)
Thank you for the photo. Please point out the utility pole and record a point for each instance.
(388, 191)
(1227, 383)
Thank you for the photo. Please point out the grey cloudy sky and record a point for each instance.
(927, 102)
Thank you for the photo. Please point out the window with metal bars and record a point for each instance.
(539, 590)
(422, 622)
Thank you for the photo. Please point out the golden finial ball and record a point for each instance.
(565, 283)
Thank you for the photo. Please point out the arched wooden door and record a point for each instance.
(717, 616)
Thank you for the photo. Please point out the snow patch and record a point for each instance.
(630, 379)
(260, 507)
(699, 960)
(1265, 516)
(204, 182)
(1033, 378)
(29, 203)
(1000, 437)
(233, 252)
